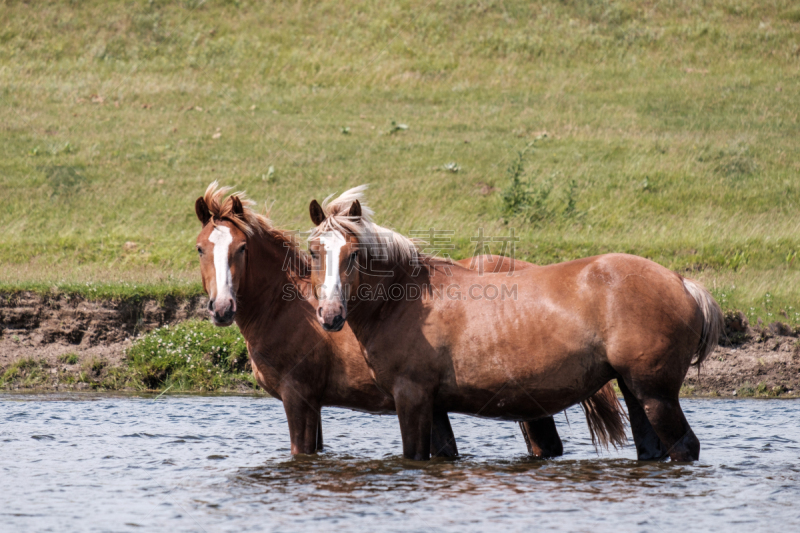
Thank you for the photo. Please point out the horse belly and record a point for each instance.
(524, 386)
(518, 402)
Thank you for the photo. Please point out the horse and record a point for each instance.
(256, 275)
(514, 346)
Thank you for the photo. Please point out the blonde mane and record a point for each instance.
(252, 223)
(379, 241)
(249, 222)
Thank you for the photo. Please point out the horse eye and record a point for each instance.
(354, 256)
(199, 250)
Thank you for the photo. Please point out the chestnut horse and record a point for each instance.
(256, 275)
(517, 346)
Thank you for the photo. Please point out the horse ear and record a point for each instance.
(355, 211)
(317, 214)
(238, 208)
(203, 214)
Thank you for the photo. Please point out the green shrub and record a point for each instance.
(531, 200)
(192, 355)
(96, 365)
(68, 358)
(27, 372)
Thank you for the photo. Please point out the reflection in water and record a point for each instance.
(223, 463)
(344, 478)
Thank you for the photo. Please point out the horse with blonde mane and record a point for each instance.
(515, 346)
(256, 275)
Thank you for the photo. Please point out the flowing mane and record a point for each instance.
(378, 240)
(220, 205)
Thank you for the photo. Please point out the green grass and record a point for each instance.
(26, 372)
(68, 358)
(760, 391)
(670, 131)
(121, 289)
(192, 356)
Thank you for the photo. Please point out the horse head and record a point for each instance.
(222, 247)
(336, 265)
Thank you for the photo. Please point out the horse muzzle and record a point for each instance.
(331, 317)
(222, 312)
(336, 325)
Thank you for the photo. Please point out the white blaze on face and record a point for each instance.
(222, 239)
(333, 242)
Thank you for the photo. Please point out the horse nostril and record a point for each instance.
(319, 312)
(210, 304)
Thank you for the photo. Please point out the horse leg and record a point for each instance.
(319, 433)
(541, 437)
(648, 445)
(414, 407)
(443, 442)
(664, 413)
(667, 418)
(305, 423)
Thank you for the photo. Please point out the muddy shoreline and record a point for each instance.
(68, 335)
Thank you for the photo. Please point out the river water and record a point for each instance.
(207, 464)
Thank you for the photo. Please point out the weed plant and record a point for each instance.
(193, 355)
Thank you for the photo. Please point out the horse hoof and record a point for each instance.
(686, 450)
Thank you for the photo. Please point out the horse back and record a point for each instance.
(567, 325)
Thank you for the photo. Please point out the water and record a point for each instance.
(207, 464)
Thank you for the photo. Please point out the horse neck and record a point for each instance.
(366, 314)
(262, 288)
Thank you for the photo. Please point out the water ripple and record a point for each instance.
(223, 464)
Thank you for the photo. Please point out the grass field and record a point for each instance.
(664, 129)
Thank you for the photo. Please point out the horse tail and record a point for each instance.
(605, 418)
(713, 321)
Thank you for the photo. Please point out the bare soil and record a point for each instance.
(49, 329)
(751, 361)
(756, 368)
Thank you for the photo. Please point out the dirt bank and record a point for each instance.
(752, 360)
(69, 335)
(78, 341)
(764, 367)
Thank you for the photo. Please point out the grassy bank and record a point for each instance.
(193, 356)
(664, 130)
(119, 289)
